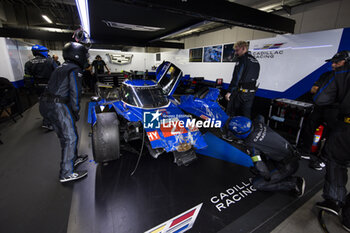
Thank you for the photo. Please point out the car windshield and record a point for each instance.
(168, 81)
(144, 96)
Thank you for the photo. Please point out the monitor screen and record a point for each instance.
(229, 53)
(213, 53)
(196, 55)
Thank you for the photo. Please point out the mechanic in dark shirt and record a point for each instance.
(242, 88)
(319, 115)
(337, 148)
(99, 65)
(275, 160)
(39, 69)
(241, 92)
(60, 104)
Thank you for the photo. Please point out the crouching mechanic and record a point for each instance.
(275, 160)
(60, 105)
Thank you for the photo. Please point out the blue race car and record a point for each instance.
(145, 110)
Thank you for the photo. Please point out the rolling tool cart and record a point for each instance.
(287, 116)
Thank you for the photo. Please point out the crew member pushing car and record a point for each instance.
(60, 104)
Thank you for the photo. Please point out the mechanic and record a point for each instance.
(320, 114)
(275, 160)
(241, 92)
(99, 68)
(55, 59)
(60, 104)
(99, 65)
(39, 69)
(336, 152)
(87, 77)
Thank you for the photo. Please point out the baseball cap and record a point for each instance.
(342, 55)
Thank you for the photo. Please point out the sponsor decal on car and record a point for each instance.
(153, 135)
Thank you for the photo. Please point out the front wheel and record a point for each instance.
(105, 137)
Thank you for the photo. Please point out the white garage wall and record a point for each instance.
(140, 61)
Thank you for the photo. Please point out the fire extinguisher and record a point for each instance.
(317, 138)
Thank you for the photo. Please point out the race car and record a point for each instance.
(144, 110)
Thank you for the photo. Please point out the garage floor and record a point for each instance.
(213, 195)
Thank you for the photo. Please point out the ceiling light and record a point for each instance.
(47, 18)
(83, 9)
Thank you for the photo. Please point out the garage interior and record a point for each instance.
(110, 199)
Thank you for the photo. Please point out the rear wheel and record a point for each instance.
(105, 137)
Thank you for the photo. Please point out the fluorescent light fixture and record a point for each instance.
(313, 47)
(47, 18)
(83, 9)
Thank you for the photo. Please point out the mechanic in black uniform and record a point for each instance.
(99, 68)
(241, 92)
(275, 160)
(337, 148)
(242, 88)
(319, 115)
(99, 65)
(60, 104)
(39, 69)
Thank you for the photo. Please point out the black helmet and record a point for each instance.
(342, 55)
(76, 53)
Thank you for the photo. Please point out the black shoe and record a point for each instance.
(227, 138)
(317, 165)
(74, 176)
(300, 187)
(329, 206)
(48, 127)
(80, 159)
(305, 155)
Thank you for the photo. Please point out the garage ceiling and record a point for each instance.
(148, 23)
(151, 23)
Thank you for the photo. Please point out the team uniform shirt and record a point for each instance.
(40, 68)
(99, 66)
(246, 73)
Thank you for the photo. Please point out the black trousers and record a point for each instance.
(240, 104)
(318, 116)
(60, 117)
(337, 155)
(346, 211)
(281, 178)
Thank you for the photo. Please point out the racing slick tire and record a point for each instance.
(105, 137)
